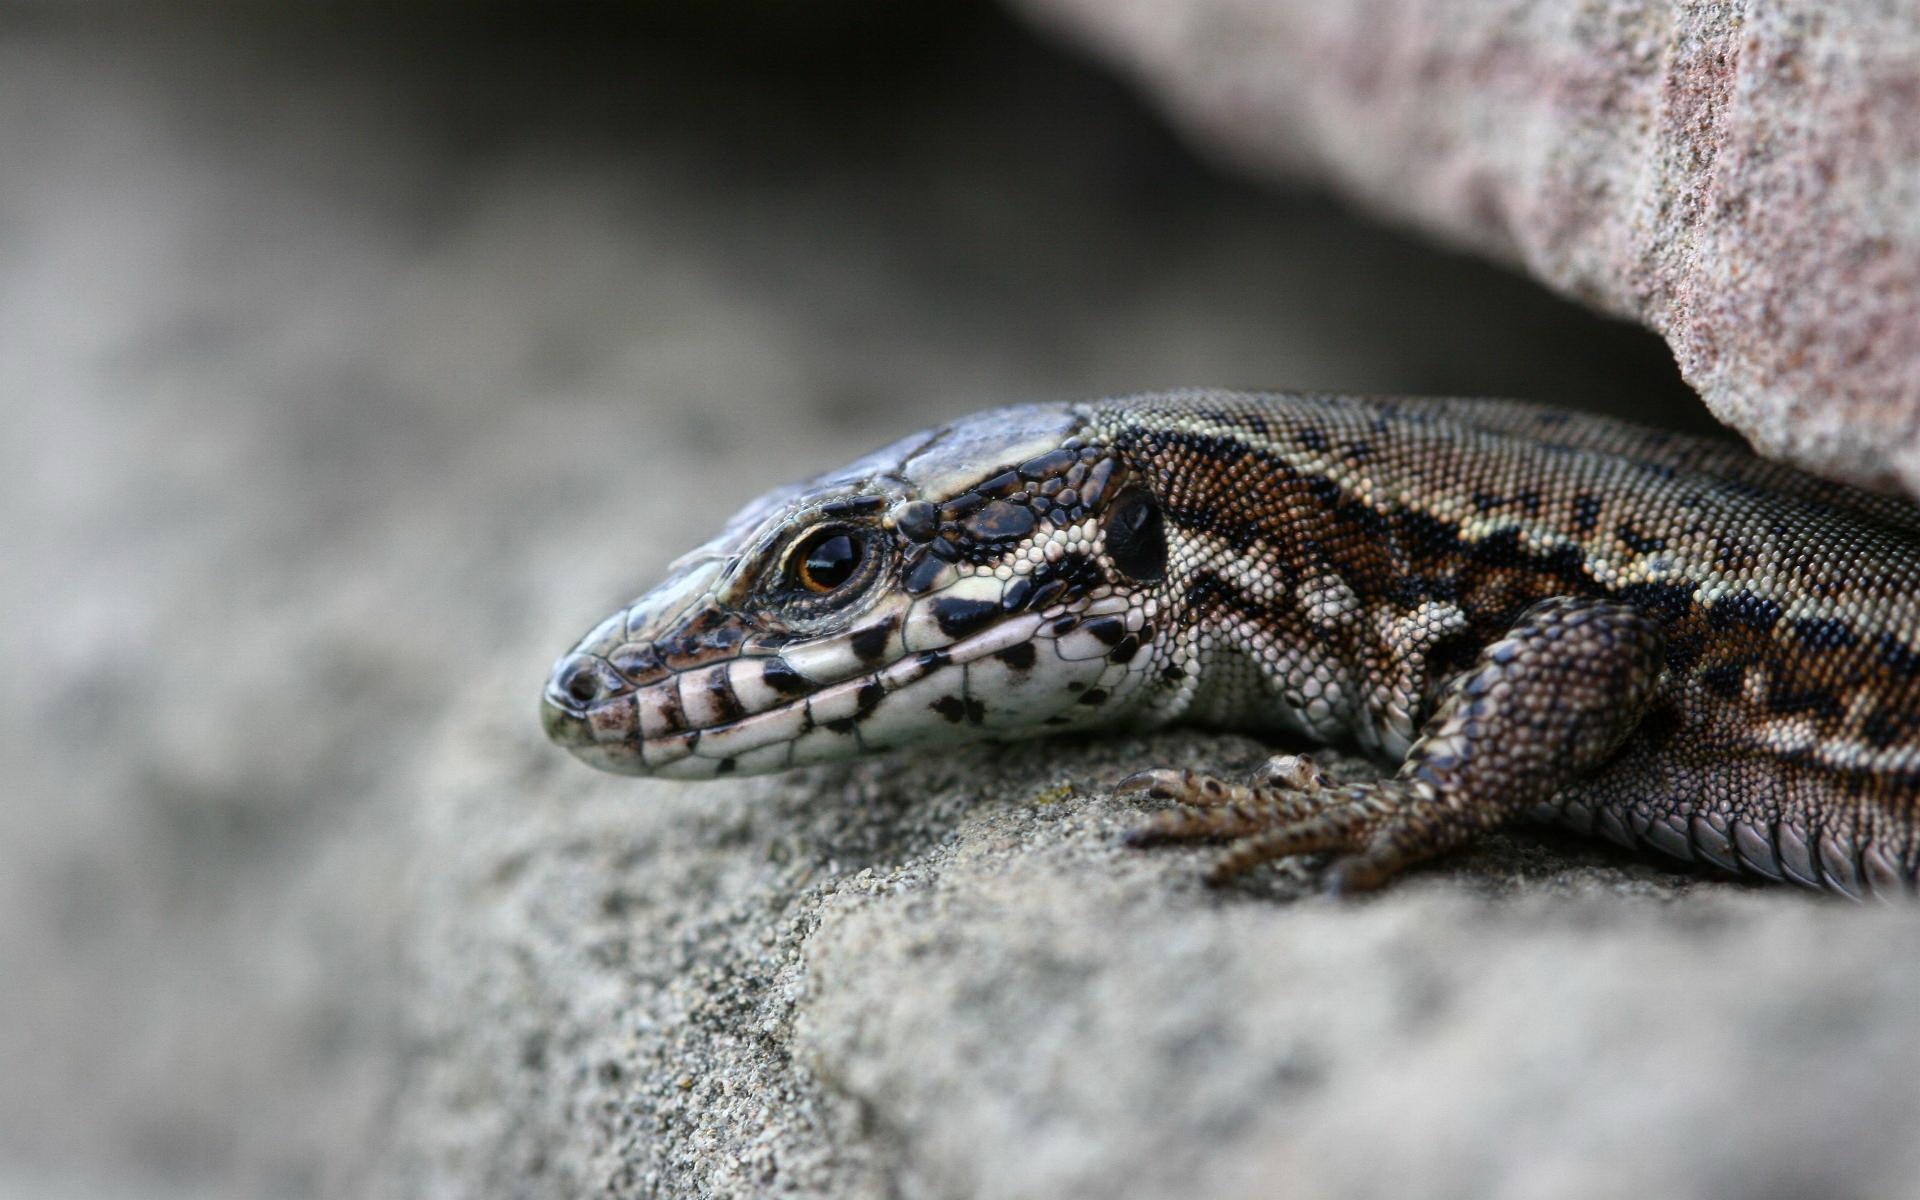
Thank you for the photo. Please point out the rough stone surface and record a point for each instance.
(1740, 176)
(945, 979)
(333, 415)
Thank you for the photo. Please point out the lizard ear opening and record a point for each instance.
(1137, 536)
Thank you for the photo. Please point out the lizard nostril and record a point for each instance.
(581, 681)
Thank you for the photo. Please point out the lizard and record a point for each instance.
(1526, 612)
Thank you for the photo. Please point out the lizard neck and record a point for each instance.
(1268, 632)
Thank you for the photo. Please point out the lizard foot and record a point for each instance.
(1290, 808)
(1553, 698)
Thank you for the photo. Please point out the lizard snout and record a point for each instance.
(580, 685)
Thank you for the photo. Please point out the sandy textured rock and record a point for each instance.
(944, 978)
(1743, 178)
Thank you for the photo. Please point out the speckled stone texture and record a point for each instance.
(1741, 177)
(332, 417)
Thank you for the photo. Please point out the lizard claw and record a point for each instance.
(1161, 785)
(1295, 772)
(1352, 874)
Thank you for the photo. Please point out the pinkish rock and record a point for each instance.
(1742, 178)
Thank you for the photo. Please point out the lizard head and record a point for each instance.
(997, 577)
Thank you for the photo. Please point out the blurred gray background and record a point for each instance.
(354, 362)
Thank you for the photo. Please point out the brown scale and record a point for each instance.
(1664, 639)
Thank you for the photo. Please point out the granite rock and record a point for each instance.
(1742, 178)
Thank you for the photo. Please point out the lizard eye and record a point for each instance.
(1137, 536)
(826, 559)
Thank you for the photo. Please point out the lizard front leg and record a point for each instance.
(1553, 698)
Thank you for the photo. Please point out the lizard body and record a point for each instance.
(1649, 636)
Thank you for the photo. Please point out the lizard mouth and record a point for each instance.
(753, 714)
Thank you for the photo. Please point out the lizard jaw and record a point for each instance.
(730, 717)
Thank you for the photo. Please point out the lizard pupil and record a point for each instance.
(827, 560)
(1137, 537)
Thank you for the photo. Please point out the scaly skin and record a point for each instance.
(1656, 638)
